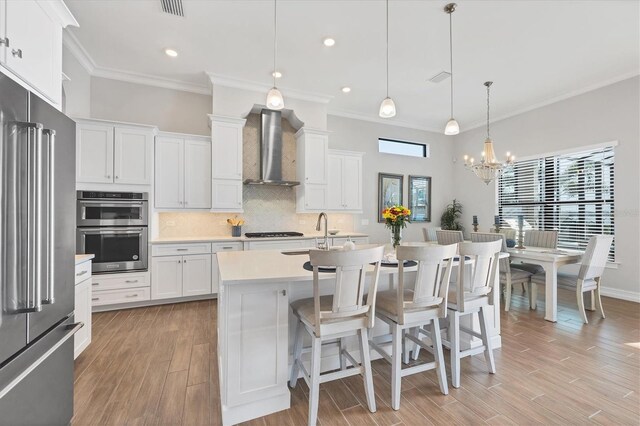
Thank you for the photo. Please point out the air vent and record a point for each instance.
(172, 7)
(441, 76)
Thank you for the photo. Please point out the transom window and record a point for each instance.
(572, 193)
(412, 149)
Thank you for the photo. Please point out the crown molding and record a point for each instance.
(553, 100)
(226, 119)
(150, 80)
(70, 41)
(236, 83)
(59, 11)
(379, 120)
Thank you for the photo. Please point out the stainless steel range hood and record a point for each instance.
(271, 151)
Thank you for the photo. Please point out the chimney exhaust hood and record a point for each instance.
(271, 151)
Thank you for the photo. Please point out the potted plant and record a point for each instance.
(450, 217)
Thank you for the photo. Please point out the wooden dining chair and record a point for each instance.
(429, 234)
(446, 238)
(477, 271)
(589, 277)
(334, 317)
(412, 309)
(536, 238)
(508, 277)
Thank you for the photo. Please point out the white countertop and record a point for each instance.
(175, 240)
(81, 258)
(266, 266)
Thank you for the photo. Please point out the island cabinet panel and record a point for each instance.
(256, 349)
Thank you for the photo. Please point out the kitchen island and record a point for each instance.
(255, 328)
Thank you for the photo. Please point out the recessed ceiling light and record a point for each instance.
(329, 42)
(346, 89)
(170, 52)
(276, 74)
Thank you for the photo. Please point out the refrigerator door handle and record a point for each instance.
(48, 246)
(70, 329)
(29, 225)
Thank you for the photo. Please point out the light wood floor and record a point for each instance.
(157, 366)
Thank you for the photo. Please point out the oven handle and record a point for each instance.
(100, 231)
(114, 203)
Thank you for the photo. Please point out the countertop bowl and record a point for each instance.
(333, 231)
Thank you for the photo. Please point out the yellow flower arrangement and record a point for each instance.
(396, 218)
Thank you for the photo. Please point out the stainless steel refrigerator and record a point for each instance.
(37, 246)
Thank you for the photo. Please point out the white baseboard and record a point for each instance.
(632, 296)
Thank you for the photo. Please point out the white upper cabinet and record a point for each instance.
(182, 172)
(345, 181)
(312, 170)
(31, 48)
(226, 148)
(132, 162)
(113, 153)
(169, 173)
(197, 174)
(94, 153)
(226, 163)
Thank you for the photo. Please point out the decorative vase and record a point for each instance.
(236, 231)
(396, 235)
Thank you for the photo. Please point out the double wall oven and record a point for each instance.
(113, 227)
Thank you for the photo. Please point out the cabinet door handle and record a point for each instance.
(4, 41)
(95, 284)
(284, 292)
(79, 274)
(17, 53)
(179, 261)
(227, 248)
(108, 176)
(131, 281)
(95, 298)
(184, 261)
(131, 295)
(182, 249)
(117, 177)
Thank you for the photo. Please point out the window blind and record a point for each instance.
(571, 193)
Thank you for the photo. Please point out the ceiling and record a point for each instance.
(534, 51)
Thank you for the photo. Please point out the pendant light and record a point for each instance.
(274, 97)
(489, 167)
(452, 127)
(387, 107)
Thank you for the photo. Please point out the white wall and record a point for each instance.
(170, 110)
(607, 114)
(77, 90)
(358, 135)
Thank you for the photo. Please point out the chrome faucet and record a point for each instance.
(325, 245)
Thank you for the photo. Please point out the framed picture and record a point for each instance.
(420, 198)
(390, 192)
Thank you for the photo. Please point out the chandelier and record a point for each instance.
(489, 167)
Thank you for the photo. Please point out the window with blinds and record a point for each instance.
(571, 193)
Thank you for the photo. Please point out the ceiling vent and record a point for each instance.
(172, 7)
(441, 76)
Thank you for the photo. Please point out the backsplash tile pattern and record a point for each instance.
(266, 208)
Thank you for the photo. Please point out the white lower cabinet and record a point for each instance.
(114, 289)
(255, 348)
(82, 308)
(178, 276)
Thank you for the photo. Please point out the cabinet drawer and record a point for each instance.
(113, 297)
(234, 246)
(180, 249)
(110, 282)
(83, 271)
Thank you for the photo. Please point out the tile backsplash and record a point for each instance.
(266, 208)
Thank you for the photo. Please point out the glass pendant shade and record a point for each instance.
(274, 99)
(452, 127)
(387, 108)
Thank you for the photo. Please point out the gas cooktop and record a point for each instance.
(272, 234)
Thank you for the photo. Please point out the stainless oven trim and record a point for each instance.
(81, 213)
(141, 264)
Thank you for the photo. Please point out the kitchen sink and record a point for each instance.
(295, 252)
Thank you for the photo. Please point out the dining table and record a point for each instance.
(549, 259)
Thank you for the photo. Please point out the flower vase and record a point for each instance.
(396, 236)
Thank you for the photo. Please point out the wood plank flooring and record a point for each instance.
(157, 365)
